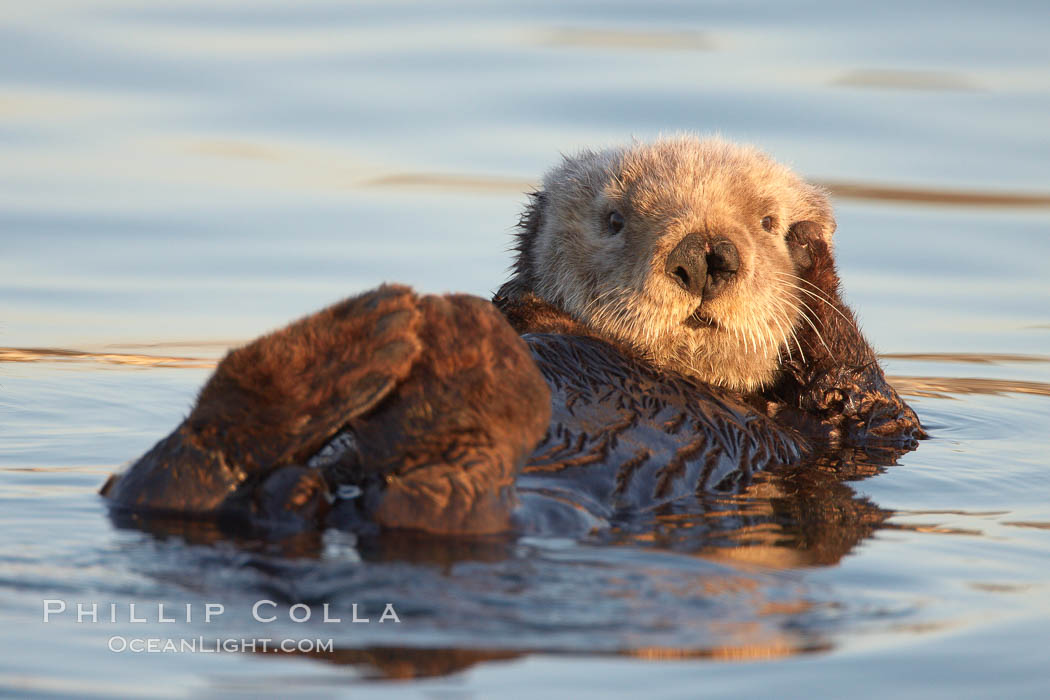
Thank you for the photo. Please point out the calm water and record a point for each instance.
(180, 176)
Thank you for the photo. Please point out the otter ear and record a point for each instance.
(815, 211)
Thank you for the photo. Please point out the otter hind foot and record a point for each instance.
(450, 441)
(429, 405)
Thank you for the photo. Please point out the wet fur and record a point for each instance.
(440, 395)
(839, 392)
(439, 416)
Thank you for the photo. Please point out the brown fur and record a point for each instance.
(835, 387)
(305, 381)
(445, 445)
(527, 313)
(277, 400)
(453, 439)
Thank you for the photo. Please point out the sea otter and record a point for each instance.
(673, 323)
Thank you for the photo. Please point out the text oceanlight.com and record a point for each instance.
(205, 645)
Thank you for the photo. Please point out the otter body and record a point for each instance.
(625, 438)
(673, 324)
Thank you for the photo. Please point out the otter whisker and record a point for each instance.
(615, 290)
(778, 309)
(769, 341)
(751, 329)
(794, 335)
(613, 312)
(764, 332)
(792, 303)
(807, 319)
(833, 307)
(782, 340)
(791, 327)
(819, 294)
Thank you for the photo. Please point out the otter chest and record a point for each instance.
(623, 437)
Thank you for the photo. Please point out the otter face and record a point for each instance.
(677, 250)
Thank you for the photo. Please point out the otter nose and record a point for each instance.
(703, 267)
(723, 261)
(687, 264)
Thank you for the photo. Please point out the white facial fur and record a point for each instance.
(617, 284)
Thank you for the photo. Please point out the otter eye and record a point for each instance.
(767, 223)
(614, 223)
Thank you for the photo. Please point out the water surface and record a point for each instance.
(179, 177)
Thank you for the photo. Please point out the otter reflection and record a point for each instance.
(799, 516)
(796, 516)
(408, 663)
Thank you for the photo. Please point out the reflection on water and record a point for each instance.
(967, 358)
(940, 387)
(693, 579)
(909, 80)
(968, 198)
(944, 387)
(403, 663)
(468, 183)
(63, 355)
(805, 516)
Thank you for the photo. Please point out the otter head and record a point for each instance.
(677, 250)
